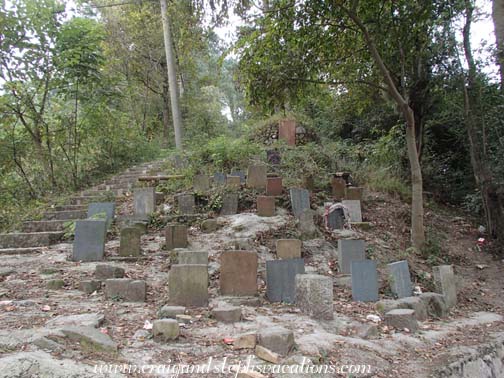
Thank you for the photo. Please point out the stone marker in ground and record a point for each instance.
(104, 272)
(209, 226)
(245, 341)
(55, 284)
(314, 296)
(165, 329)
(192, 257)
(125, 289)
(171, 312)
(354, 210)
(412, 303)
(90, 319)
(186, 204)
(277, 339)
(307, 225)
(274, 186)
(219, 178)
(350, 250)
(89, 241)
(267, 355)
(354, 193)
(335, 218)
(281, 279)
(90, 286)
(226, 313)
(257, 176)
(145, 202)
(233, 182)
(364, 281)
(338, 186)
(273, 157)
(265, 206)
(176, 236)
(97, 208)
(188, 285)
(435, 304)
(287, 131)
(129, 244)
(238, 273)
(201, 183)
(401, 319)
(242, 175)
(229, 204)
(300, 200)
(288, 248)
(445, 283)
(90, 338)
(400, 280)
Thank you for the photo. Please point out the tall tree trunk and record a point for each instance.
(498, 20)
(166, 113)
(172, 75)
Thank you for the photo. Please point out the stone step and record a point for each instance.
(98, 192)
(45, 225)
(82, 200)
(29, 239)
(113, 187)
(65, 215)
(70, 208)
(19, 251)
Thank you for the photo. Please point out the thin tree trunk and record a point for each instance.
(498, 20)
(166, 113)
(172, 75)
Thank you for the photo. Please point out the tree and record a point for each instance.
(498, 20)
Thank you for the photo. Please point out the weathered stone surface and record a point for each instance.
(288, 248)
(350, 250)
(104, 271)
(182, 318)
(364, 281)
(265, 206)
(171, 312)
(238, 275)
(307, 225)
(402, 318)
(314, 295)
(227, 314)
(229, 204)
(89, 242)
(106, 208)
(209, 226)
(219, 178)
(245, 341)
(176, 236)
(445, 283)
(267, 355)
(281, 279)
(233, 182)
(55, 284)
(188, 285)
(343, 281)
(125, 289)
(413, 303)
(192, 257)
(201, 183)
(91, 319)
(129, 244)
(186, 203)
(354, 210)
(287, 131)
(335, 218)
(338, 186)
(400, 280)
(367, 331)
(274, 186)
(165, 329)
(90, 338)
(354, 193)
(435, 303)
(256, 176)
(144, 202)
(28, 240)
(277, 339)
(90, 286)
(242, 175)
(300, 200)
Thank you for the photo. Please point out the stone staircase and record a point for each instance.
(36, 234)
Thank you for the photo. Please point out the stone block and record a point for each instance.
(400, 280)
(89, 241)
(335, 218)
(338, 186)
(354, 193)
(219, 178)
(95, 209)
(265, 206)
(307, 225)
(364, 281)
(229, 204)
(300, 200)
(402, 319)
(314, 296)
(55, 284)
(165, 329)
(233, 182)
(238, 273)
(192, 257)
(256, 176)
(350, 250)
(288, 248)
(445, 283)
(281, 279)
(175, 236)
(104, 272)
(242, 175)
(209, 226)
(227, 314)
(277, 339)
(201, 183)
(354, 210)
(188, 285)
(129, 244)
(287, 131)
(186, 204)
(144, 202)
(125, 289)
(171, 312)
(435, 304)
(90, 286)
(266, 354)
(245, 341)
(274, 186)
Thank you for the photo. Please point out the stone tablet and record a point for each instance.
(288, 248)
(300, 200)
(229, 204)
(336, 219)
(129, 244)
(89, 241)
(192, 258)
(126, 289)
(240, 174)
(314, 296)
(96, 208)
(350, 250)
(338, 185)
(175, 236)
(186, 204)
(238, 273)
(400, 280)
(307, 225)
(145, 202)
(256, 176)
(265, 206)
(188, 285)
(354, 210)
(445, 283)
(287, 131)
(274, 186)
(354, 193)
(364, 281)
(201, 183)
(281, 279)
(233, 182)
(219, 178)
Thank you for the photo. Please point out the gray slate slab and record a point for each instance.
(364, 281)
(400, 279)
(281, 279)
(89, 241)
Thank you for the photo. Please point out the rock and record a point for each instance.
(245, 341)
(277, 339)
(435, 304)
(267, 355)
(165, 329)
(227, 314)
(55, 284)
(343, 281)
(367, 331)
(103, 272)
(125, 289)
(245, 244)
(445, 283)
(244, 301)
(306, 224)
(170, 312)
(413, 303)
(47, 344)
(47, 271)
(90, 338)
(186, 319)
(4, 272)
(209, 225)
(90, 286)
(402, 319)
(91, 319)
(314, 295)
